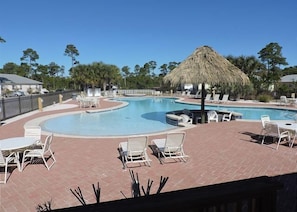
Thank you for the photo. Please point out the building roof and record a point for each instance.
(289, 78)
(13, 79)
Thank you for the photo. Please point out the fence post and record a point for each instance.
(40, 101)
(60, 98)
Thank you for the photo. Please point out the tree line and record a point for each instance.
(264, 72)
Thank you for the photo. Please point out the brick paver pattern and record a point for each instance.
(219, 152)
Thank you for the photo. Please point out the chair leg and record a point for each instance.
(5, 174)
(183, 156)
(17, 160)
(159, 157)
(48, 168)
(23, 161)
(146, 158)
(292, 141)
(263, 138)
(123, 161)
(278, 142)
(51, 156)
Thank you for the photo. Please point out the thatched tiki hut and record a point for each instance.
(205, 66)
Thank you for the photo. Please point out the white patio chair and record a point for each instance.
(185, 120)
(264, 120)
(97, 102)
(212, 116)
(41, 153)
(33, 131)
(79, 100)
(272, 130)
(208, 97)
(5, 161)
(187, 117)
(283, 100)
(227, 117)
(134, 151)
(198, 95)
(171, 147)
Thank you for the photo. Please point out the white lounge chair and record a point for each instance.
(134, 151)
(224, 98)
(212, 116)
(216, 98)
(41, 153)
(5, 161)
(198, 95)
(272, 130)
(171, 147)
(283, 100)
(208, 97)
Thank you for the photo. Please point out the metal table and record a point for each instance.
(16, 144)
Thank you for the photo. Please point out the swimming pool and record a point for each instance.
(142, 116)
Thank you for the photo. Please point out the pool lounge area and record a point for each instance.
(219, 152)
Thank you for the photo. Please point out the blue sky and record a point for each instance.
(131, 32)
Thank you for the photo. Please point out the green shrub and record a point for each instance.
(264, 98)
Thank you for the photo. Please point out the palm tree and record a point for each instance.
(248, 64)
(78, 74)
(93, 75)
(109, 74)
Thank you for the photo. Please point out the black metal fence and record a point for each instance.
(14, 106)
(250, 195)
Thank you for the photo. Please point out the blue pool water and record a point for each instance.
(142, 116)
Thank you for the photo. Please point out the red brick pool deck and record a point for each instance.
(219, 152)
